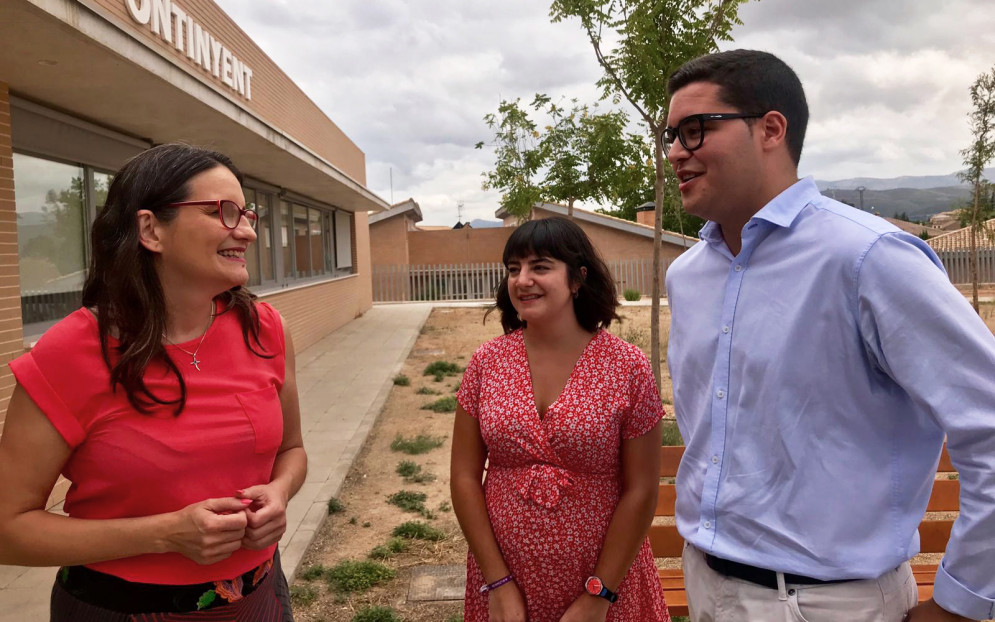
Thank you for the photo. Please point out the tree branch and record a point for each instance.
(618, 83)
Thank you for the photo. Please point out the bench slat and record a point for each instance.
(933, 535)
(665, 541)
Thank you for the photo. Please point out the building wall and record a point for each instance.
(389, 241)
(275, 98)
(457, 246)
(11, 338)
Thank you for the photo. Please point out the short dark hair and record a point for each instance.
(596, 303)
(752, 82)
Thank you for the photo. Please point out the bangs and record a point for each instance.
(537, 237)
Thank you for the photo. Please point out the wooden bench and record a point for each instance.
(933, 532)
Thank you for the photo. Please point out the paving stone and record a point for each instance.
(431, 583)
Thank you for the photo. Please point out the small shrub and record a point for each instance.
(389, 549)
(445, 507)
(444, 368)
(313, 572)
(632, 295)
(428, 391)
(442, 405)
(351, 576)
(367, 525)
(335, 506)
(375, 613)
(635, 336)
(353, 521)
(456, 388)
(420, 444)
(456, 617)
(671, 434)
(953, 476)
(408, 501)
(412, 473)
(416, 530)
(401, 380)
(303, 595)
(408, 468)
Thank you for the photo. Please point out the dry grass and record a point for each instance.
(369, 520)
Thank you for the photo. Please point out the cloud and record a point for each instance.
(410, 80)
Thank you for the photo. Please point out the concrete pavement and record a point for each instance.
(343, 381)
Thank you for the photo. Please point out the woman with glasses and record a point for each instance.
(170, 402)
(566, 417)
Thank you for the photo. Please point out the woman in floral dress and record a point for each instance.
(565, 416)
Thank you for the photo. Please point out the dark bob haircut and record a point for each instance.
(753, 82)
(559, 238)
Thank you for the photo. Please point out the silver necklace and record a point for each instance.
(193, 355)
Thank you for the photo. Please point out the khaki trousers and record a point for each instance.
(713, 597)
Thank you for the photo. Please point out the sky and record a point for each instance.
(409, 81)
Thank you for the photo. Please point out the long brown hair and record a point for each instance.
(122, 284)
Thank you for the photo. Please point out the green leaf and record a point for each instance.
(206, 599)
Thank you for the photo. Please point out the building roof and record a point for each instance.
(397, 209)
(960, 240)
(915, 228)
(612, 222)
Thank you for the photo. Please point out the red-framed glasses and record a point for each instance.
(228, 211)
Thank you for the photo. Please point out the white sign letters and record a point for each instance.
(171, 23)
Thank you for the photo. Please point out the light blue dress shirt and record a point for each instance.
(815, 375)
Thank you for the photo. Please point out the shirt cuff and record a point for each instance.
(953, 596)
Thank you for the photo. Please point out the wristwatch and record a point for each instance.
(595, 587)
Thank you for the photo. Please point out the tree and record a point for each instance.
(519, 158)
(580, 155)
(652, 39)
(976, 157)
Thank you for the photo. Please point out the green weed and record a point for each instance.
(632, 295)
(313, 572)
(401, 380)
(352, 576)
(442, 405)
(335, 506)
(302, 595)
(671, 434)
(375, 613)
(413, 474)
(416, 530)
(428, 391)
(444, 368)
(389, 549)
(420, 444)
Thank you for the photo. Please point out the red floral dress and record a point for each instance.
(553, 483)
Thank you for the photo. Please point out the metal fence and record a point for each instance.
(958, 265)
(477, 281)
(42, 306)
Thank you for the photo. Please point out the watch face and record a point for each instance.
(594, 586)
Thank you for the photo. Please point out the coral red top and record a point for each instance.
(125, 464)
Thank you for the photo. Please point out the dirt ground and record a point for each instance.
(368, 520)
(450, 334)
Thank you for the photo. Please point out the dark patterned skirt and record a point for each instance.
(84, 595)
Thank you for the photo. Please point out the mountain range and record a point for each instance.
(918, 197)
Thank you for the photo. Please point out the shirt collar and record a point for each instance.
(781, 211)
(785, 207)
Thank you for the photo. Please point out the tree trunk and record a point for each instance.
(975, 218)
(658, 187)
(570, 208)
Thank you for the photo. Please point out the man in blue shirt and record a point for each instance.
(819, 356)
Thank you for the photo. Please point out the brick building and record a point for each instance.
(86, 84)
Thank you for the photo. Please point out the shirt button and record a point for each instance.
(725, 329)
(715, 459)
(720, 394)
(739, 268)
(708, 524)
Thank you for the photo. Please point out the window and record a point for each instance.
(302, 256)
(52, 217)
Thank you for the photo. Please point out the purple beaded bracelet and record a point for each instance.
(493, 586)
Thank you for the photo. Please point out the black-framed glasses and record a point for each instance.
(691, 129)
(228, 211)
